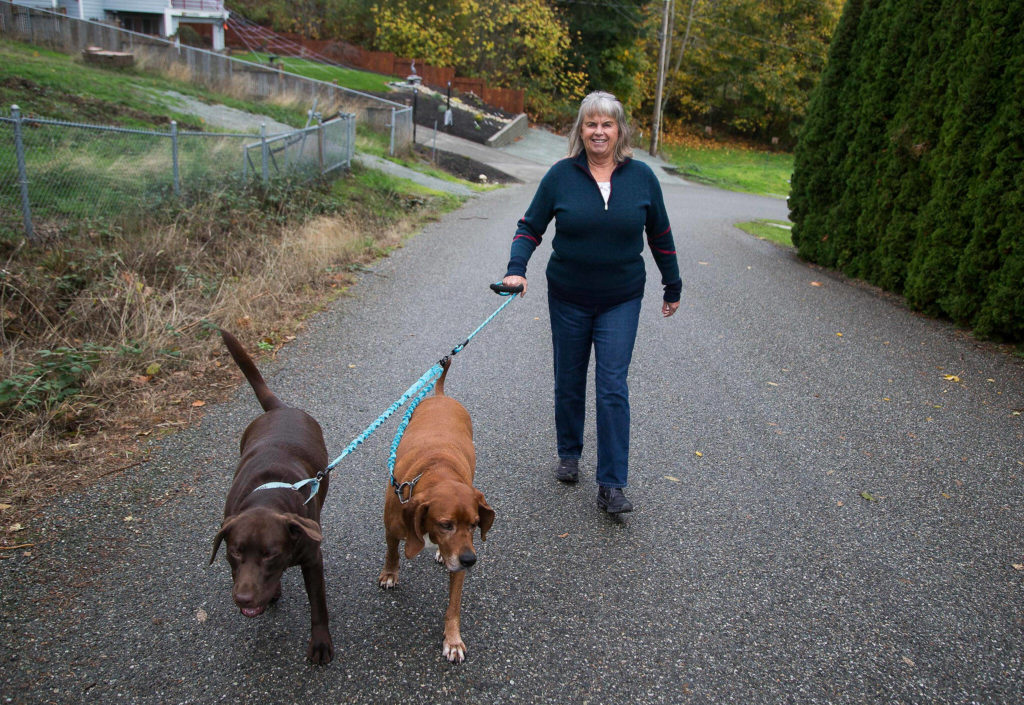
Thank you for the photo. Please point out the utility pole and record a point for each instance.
(656, 122)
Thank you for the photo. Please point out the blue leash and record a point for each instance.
(419, 390)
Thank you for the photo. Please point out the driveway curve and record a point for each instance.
(829, 491)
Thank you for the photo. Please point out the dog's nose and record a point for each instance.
(467, 559)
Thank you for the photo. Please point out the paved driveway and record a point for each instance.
(829, 492)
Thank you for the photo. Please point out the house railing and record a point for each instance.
(200, 5)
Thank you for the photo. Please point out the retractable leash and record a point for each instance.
(419, 390)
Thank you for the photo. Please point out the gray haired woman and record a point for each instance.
(603, 202)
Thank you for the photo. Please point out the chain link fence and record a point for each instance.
(53, 173)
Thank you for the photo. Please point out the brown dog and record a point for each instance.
(436, 458)
(268, 530)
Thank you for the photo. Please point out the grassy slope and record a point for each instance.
(365, 81)
(50, 84)
(732, 166)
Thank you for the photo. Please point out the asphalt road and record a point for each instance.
(823, 514)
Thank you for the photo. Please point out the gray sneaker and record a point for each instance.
(568, 470)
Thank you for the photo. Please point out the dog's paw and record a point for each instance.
(388, 580)
(454, 650)
(321, 648)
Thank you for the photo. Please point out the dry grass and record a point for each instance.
(132, 309)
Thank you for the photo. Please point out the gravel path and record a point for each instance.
(824, 515)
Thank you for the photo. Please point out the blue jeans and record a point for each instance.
(611, 331)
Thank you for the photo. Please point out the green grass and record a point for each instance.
(53, 85)
(733, 168)
(777, 231)
(365, 81)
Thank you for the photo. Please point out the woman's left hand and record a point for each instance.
(668, 308)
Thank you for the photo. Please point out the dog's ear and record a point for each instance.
(415, 517)
(225, 528)
(299, 526)
(486, 515)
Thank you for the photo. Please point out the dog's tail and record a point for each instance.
(268, 400)
(439, 388)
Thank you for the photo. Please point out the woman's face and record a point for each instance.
(599, 133)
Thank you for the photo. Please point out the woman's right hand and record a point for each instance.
(514, 280)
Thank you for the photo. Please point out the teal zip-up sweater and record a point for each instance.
(597, 250)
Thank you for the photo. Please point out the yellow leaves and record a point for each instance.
(672, 478)
(868, 496)
(951, 378)
(698, 454)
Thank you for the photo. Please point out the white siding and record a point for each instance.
(91, 10)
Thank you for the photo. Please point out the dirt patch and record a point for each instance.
(464, 167)
(45, 102)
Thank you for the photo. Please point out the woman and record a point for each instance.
(602, 202)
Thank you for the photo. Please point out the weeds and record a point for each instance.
(114, 320)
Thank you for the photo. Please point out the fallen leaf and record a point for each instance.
(129, 518)
(153, 369)
(351, 367)
(15, 527)
(773, 384)
(839, 503)
(908, 661)
(703, 263)
(951, 378)
(201, 615)
(815, 283)
(4, 507)
(562, 536)
(673, 479)
(699, 454)
(289, 338)
(1018, 566)
(946, 495)
(141, 379)
(198, 402)
(868, 496)
(839, 335)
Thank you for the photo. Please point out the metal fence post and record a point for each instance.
(351, 141)
(320, 143)
(174, 157)
(19, 149)
(265, 152)
(392, 148)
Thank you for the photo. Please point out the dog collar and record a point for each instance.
(314, 481)
(399, 488)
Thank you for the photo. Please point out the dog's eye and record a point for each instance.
(446, 525)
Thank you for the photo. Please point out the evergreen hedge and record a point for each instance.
(909, 172)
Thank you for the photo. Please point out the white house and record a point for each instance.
(160, 17)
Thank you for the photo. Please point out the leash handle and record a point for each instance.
(503, 290)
